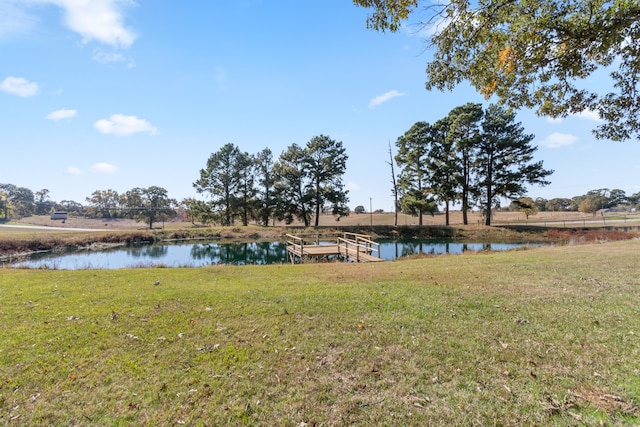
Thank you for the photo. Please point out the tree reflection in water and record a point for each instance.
(147, 251)
(405, 248)
(189, 254)
(240, 253)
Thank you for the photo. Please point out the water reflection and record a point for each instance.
(150, 251)
(403, 248)
(211, 253)
(239, 253)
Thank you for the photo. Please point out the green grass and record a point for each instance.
(546, 336)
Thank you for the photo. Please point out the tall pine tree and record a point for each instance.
(505, 159)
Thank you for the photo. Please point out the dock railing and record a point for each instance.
(359, 246)
(295, 247)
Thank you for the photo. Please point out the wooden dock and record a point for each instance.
(351, 247)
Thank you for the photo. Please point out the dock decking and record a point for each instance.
(351, 246)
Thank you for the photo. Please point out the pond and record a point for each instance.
(196, 254)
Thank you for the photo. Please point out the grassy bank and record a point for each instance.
(546, 336)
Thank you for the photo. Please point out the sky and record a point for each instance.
(117, 94)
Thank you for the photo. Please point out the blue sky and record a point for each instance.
(119, 94)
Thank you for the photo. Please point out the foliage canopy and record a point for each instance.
(534, 54)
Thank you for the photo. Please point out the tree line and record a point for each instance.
(471, 156)
(300, 184)
(594, 201)
(142, 204)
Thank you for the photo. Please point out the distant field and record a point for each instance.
(475, 218)
(572, 219)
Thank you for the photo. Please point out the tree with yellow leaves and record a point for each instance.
(534, 54)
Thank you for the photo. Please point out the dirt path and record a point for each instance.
(45, 227)
(77, 223)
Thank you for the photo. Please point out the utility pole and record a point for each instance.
(395, 187)
(371, 211)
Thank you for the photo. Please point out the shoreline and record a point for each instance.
(97, 239)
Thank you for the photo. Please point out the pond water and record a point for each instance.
(190, 254)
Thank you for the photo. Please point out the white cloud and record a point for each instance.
(351, 186)
(72, 170)
(585, 115)
(61, 114)
(106, 57)
(100, 20)
(14, 20)
(381, 99)
(110, 57)
(121, 125)
(19, 86)
(557, 140)
(95, 20)
(103, 168)
(588, 115)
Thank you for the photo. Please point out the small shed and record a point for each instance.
(59, 215)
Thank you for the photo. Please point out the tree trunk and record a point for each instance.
(318, 202)
(395, 212)
(487, 220)
(465, 207)
(305, 217)
(446, 213)
(245, 215)
(489, 182)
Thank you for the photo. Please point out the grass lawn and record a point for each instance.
(545, 336)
